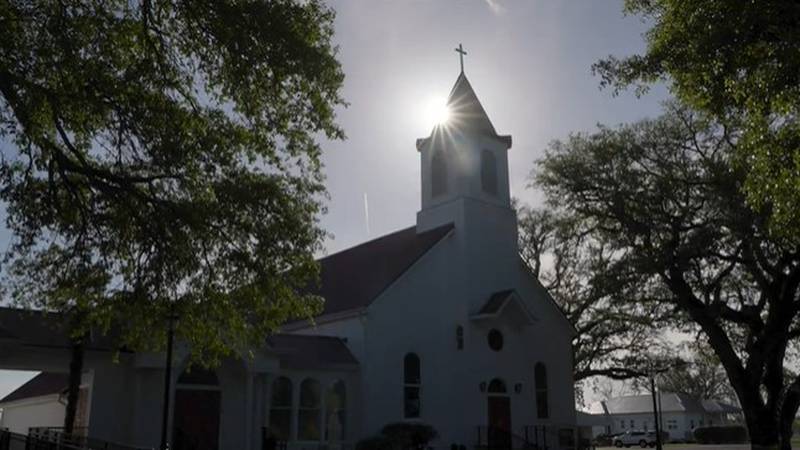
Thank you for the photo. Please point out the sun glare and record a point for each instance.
(436, 111)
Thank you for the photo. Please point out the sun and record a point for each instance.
(436, 111)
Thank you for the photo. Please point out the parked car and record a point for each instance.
(641, 438)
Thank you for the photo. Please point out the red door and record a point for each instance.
(499, 432)
(195, 424)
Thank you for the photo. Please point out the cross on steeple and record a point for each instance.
(461, 52)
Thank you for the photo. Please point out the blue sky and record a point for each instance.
(528, 60)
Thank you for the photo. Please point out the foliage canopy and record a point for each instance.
(161, 158)
(739, 61)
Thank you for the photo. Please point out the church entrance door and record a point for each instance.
(195, 420)
(499, 432)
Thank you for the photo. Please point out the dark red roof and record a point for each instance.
(46, 383)
(353, 278)
(43, 329)
(298, 351)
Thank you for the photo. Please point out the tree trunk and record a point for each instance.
(73, 390)
(791, 403)
(762, 429)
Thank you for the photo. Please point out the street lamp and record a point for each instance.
(652, 375)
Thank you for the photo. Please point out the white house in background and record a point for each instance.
(680, 414)
(39, 402)
(440, 323)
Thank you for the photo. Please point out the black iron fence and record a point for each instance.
(54, 438)
(271, 441)
(530, 437)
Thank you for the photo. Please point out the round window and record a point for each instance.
(495, 340)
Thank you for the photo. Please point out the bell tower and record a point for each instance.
(463, 160)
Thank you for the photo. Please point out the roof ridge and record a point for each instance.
(315, 336)
(372, 241)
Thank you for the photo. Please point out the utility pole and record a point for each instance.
(655, 411)
(167, 382)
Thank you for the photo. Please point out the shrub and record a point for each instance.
(379, 442)
(731, 434)
(409, 435)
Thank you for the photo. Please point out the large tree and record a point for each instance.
(702, 377)
(579, 270)
(666, 196)
(160, 158)
(734, 59)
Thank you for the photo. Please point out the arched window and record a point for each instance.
(335, 404)
(488, 172)
(412, 384)
(438, 174)
(497, 386)
(540, 375)
(308, 413)
(460, 337)
(280, 408)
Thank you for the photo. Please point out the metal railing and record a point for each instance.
(531, 437)
(495, 438)
(270, 441)
(55, 438)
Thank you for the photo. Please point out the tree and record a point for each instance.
(580, 273)
(666, 197)
(702, 378)
(161, 158)
(737, 60)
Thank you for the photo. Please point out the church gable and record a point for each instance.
(547, 302)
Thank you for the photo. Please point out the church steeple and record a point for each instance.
(463, 159)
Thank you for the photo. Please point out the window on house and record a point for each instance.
(691, 424)
(488, 172)
(335, 404)
(308, 412)
(622, 424)
(632, 425)
(540, 381)
(412, 385)
(460, 337)
(280, 408)
(438, 174)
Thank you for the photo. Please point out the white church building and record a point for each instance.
(440, 323)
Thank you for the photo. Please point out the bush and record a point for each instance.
(732, 434)
(379, 442)
(409, 435)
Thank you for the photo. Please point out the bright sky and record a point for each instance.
(528, 60)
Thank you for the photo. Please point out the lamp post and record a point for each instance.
(167, 380)
(656, 413)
